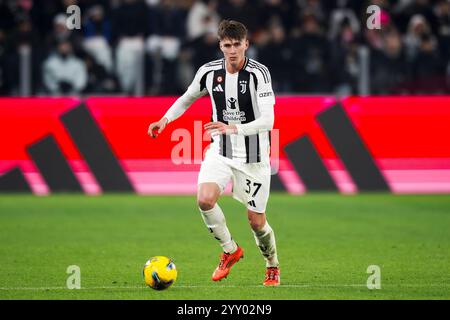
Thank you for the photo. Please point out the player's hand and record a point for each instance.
(157, 126)
(218, 128)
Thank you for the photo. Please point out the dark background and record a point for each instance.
(154, 47)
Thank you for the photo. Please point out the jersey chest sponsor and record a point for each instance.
(232, 100)
(233, 115)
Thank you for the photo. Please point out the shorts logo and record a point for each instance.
(243, 84)
(219, 79)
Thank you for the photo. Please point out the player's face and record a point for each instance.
(234, 51)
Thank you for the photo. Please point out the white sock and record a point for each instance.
(215, 222)
(265, 240)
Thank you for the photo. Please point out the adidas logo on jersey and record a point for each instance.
(218, 88)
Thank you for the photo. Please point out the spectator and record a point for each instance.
(23, 43)
(96, 24)
(428, 68)
(194, 53)
(279, 10)
(242, 11)
(277, 55)
(342, 17)
(442, 12)
(63, 72)
(344, 64)
(422, 8)
(315, 8)
(205, 48)
(310, 52)
(202, 18)
(99, 80)
(388, 71)
(167, 28)
(60, 33)
(129, 30)
(311, 46)
(417, 28)
(97, 33)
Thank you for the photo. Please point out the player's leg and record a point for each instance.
(264, 237)
(213, 178)
(265, 240)
(207, 196)
(252, 188)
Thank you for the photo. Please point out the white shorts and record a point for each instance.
(251, 181)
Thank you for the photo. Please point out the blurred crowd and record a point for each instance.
(154, 47)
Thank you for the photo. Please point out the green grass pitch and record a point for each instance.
(325, 244)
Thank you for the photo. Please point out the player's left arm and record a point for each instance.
(263, 123)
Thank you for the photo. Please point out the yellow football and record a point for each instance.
(160, 273)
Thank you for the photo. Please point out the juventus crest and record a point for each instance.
(243, 85)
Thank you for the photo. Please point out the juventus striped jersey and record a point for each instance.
(244, 98)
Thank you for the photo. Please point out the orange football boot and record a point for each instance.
(272, 277)
(227, 260)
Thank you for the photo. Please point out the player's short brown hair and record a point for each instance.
(230, 29)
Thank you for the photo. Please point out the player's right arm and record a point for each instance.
(195, 91)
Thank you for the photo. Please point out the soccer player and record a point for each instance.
(242, 117)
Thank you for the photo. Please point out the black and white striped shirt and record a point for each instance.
(239, 98)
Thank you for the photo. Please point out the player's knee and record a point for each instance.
(256, 224)
(206, 203)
